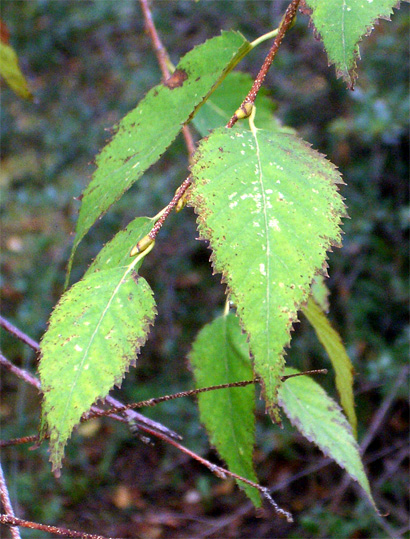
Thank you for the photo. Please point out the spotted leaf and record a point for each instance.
(269, 206)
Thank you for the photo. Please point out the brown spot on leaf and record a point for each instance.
(176, 79)
(4, 33)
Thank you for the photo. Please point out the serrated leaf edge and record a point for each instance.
(58, 447)
(349, 75)
(203, 229)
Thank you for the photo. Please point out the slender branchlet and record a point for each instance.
(284, 26)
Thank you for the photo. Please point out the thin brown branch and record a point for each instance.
(5, 500)
(8, 520)
(18, 441)
(157, 400)
(189, 393)
(20, 373)
(178, 195)
(284, 26)
(159, 49)
(164, 63)
(372, 431)
(8, 326)
(32, 380)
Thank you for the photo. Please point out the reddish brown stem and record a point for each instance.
(163, 62)
(32, 380)
(8, 326)
(180, 192)
(283, 28)
(13, 521)
(18, 441)
(157, 400)
(159, 49)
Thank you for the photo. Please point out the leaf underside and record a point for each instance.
(338, 356)
(227, 98)
(94, 336)
(270, 208)
(10, 70)
(342, 24)
(146, 132)
(320, 420)
(220, 355)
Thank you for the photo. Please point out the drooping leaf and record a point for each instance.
(146, 132)
(220, 355)
(321, 421)
(116, 253)
(95, 334)
(341, 24)
(333, 345)
(270, 208)
(10, 68)
(320, 292)
(227, 98)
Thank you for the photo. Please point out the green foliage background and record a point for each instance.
(89, 63)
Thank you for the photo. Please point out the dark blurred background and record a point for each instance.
(89, 63)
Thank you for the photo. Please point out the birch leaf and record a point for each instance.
(342, 24)
(220, 355)
(333, 345)
(320, 420)
(94, 335)
(269, 206)
(146, 132)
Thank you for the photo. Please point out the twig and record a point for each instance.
(157, 400)
(372, 430)
(20, 373)
(284, 26)
(178, 195)
(222, 473)
(29, 378)
(189, 393)
(5, 500)
(217, 470)
(166, 67)
(164, 63)
(8, 326)
(64, 532)
(249, 99)
(18, 441)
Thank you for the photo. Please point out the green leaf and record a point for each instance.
(269, 206)
(10, 70)
(227, 98)
(116, 253)
(320, 292)
(146, 132)
(321, 421)
(341, 24)
(220, 355)
(338, 356)
(95, 334)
